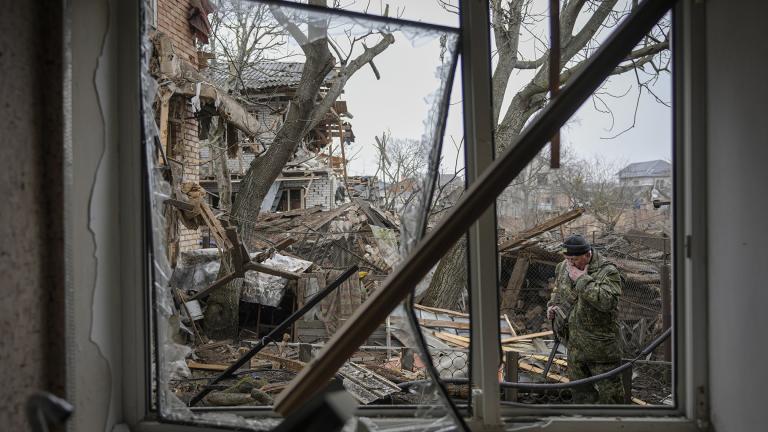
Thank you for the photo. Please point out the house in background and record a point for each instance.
(314, 176)
(656, 173)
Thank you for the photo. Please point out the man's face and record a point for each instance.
(579, 261)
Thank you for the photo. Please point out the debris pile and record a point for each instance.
(297, 254)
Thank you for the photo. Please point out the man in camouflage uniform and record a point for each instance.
(584, 305)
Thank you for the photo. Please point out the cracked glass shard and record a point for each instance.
(285, 145)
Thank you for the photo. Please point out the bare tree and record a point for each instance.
(592, 184)
(305, 111)
(244, 34)
(583, 24)
(401, 163)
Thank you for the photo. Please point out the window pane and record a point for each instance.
(603, 293)
(297, 144)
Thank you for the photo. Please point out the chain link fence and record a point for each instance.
(527, 280)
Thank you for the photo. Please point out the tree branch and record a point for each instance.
(347, 71)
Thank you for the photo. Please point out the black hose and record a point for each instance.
(557, 386)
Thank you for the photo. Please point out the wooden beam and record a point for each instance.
(516, 280)
(541, 228)
(450, 324)
(206, 366)
(165, 99)
(187, 78)
(442, 311)
(526, 337)
(452, 338)
(261, 268)
(539, 371)
(511, 327)
(544, 358)
(651, 241)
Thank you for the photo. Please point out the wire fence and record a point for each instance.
(641, 304)
(527, 280)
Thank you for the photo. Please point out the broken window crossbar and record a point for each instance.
(480, 195)
(360, 15)
(561, 385)
(263, 342)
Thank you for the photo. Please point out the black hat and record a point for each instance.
(576, 245)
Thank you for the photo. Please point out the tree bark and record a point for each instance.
(221, 168)
(221, 317)
(450, 279)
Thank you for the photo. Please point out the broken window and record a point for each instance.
(340, 189)
(345, 118)
(584, 259)
(291, 199)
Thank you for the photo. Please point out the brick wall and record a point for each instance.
(320, 194)
(172, 20)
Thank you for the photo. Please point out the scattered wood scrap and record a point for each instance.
(541, 228)
(205, 366)
(526, 337)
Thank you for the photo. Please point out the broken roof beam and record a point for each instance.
(541, 228)
(227, 106)
(186, 78)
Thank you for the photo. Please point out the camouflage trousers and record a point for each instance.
(606, 391)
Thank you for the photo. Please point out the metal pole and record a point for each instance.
(511, 374)
(481, 244)
(666, 300)
(277, 331)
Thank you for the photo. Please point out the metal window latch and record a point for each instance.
(43, 408)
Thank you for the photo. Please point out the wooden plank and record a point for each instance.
(544, 358)
(261, 268)
(450, 324)
(445, 324)
(292, 365)
(452, 338)
(511, 327)
(541, 228)
(526, 337)
(443, 311)
(650, 241)
(511, 361)
(512, 291)
(207, 366)
(539, 371)
(165, 98)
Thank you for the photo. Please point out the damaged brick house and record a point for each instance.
(314, 176)
(190, 95)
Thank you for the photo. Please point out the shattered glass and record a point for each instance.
(399, 119)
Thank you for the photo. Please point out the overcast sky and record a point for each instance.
(397, 101)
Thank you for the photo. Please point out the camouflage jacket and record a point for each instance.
(590, 329)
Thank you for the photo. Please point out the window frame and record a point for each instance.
(690, 308)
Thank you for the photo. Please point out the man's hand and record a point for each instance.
(574, 273)
(551, 311)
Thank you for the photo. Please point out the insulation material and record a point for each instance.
(386, 240)
(268, 290)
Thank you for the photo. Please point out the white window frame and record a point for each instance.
(690, 253)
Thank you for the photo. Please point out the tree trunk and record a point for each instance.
(221, 318)
(219, 156)
(450, 279)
